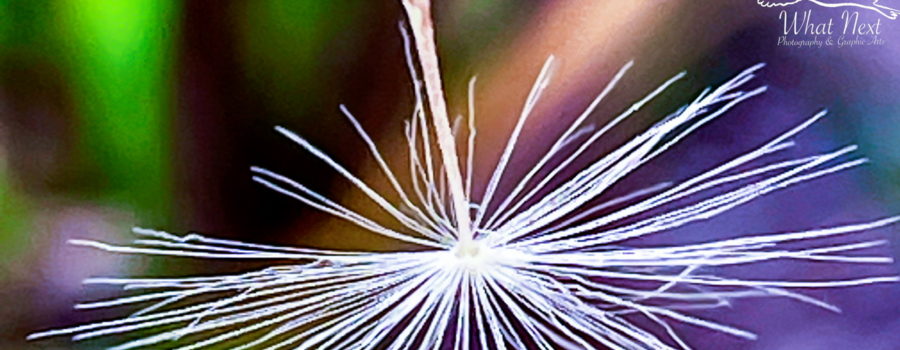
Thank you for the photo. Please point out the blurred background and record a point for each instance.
(149, 113)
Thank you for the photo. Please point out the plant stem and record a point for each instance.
(419, 12)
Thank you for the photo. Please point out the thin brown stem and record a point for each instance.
(419, 12)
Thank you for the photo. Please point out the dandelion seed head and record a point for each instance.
(538, 266)
(470, 250)
(477, 257)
